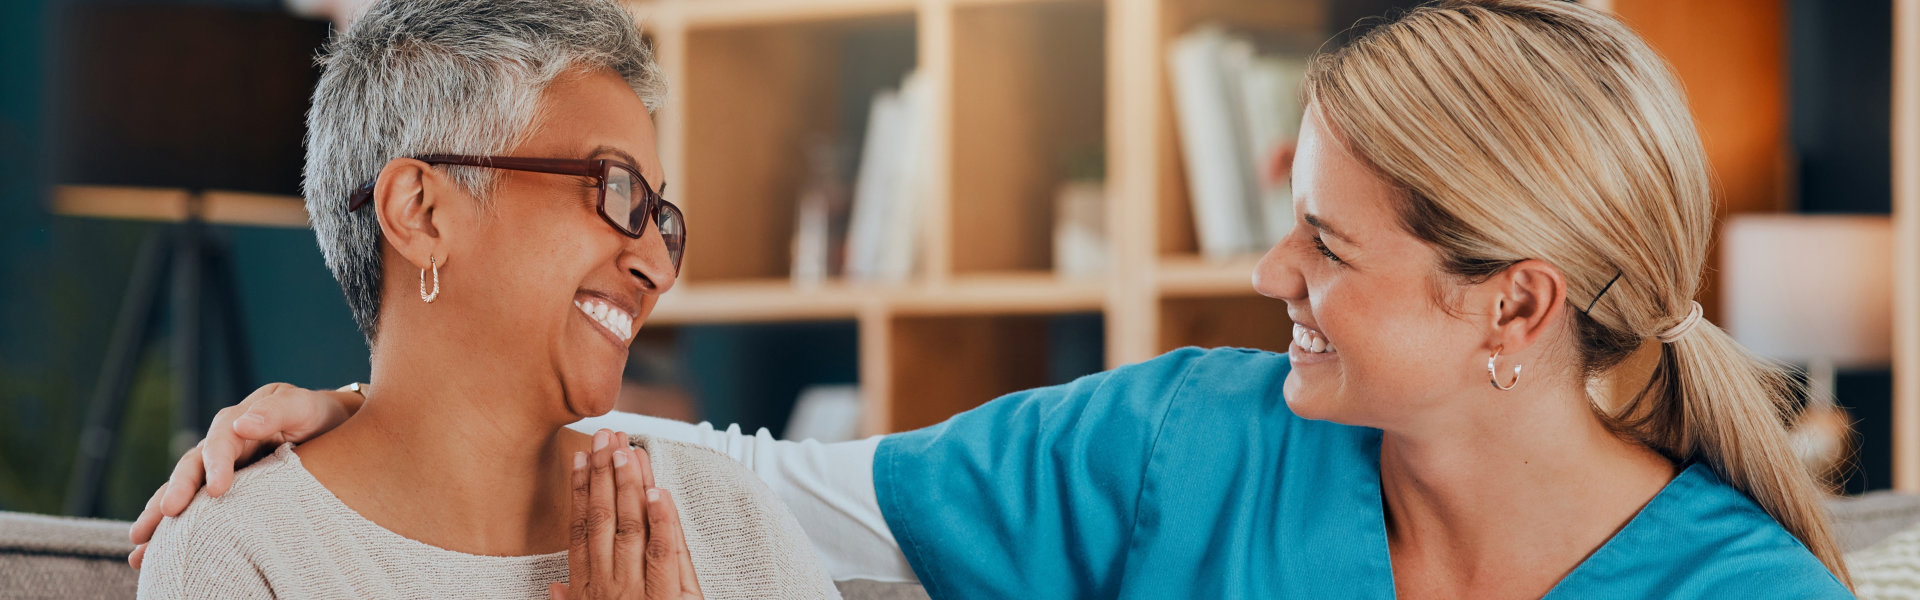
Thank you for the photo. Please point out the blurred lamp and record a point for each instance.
(1812, 290)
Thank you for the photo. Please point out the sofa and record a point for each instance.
(61, 557)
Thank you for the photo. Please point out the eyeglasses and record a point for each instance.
(619, 205)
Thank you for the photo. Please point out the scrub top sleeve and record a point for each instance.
(1033, 494)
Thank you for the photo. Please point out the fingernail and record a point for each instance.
(619, 458)
(251, 419)
(579, 460)
(600, 440)
(653, 494)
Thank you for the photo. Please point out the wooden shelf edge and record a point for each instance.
(759, 301)
(694, 14)
(776, 300)
(1003, 294)
(1190, 276)
(983, 3)
(172, 205)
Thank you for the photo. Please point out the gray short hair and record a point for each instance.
(414, 77)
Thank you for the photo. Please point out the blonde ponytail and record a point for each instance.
(1540, 129)
(1728, 410)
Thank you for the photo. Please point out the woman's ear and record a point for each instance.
(406, 202)
(1528, 298)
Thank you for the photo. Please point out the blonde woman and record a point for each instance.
(1497, 201)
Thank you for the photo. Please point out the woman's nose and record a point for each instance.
(1276, 276)
(647, 260)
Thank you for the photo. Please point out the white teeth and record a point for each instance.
(1311, 341)
(612, 319)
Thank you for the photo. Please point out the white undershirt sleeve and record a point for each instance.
(829, 487)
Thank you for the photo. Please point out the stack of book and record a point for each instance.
(877, 238)
(1237, 110)
(883, 235)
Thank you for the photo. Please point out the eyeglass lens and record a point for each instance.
(628, 207)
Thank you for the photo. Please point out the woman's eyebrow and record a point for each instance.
(616, 153)
(603, 150)
(1320, 224)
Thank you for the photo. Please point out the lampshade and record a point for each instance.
(1808, 288)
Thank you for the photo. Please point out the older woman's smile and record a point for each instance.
(614, 320)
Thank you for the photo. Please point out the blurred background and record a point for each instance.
(899, 210)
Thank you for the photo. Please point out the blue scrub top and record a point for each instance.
(1188, 477)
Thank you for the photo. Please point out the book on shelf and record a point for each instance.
(883, 236)
(1236, 108)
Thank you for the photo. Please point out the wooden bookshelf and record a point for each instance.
(1018, 86)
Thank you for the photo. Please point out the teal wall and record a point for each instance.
(61, 284)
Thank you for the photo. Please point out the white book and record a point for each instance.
(1270, 101)
(871, 189)
(900, 248)
(1220, 186)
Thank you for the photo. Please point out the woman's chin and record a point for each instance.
(585, 401)
(1308, 403)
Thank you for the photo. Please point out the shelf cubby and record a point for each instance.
(760, 94)
(942, 365)
(1028, 109)
(1239, 321)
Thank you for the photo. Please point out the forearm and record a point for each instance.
(829, 488)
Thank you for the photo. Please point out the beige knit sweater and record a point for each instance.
(280, 533)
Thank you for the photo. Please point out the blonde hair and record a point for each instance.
(1540, 129)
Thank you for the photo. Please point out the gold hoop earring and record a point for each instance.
(1494, 375)
(424, 294)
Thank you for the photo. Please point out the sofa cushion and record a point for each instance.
(1864, 520)
(61, 557)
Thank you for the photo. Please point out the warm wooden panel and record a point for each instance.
(754, 95)
(1197, 276)
(1906, 215)
(1134, 100)
(755, 98)
(941, 366)
(1731, 56)
(1261, 15)
(1244, 321)
(732, 13)
(1028, 91)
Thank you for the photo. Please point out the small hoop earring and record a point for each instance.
(1494, 375)
(424, 294)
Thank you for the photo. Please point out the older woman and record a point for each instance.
(482, 179)
(1480, 186)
